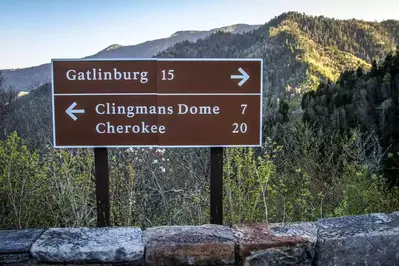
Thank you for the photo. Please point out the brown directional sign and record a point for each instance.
(157, 102)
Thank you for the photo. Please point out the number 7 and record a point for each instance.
(244, 106)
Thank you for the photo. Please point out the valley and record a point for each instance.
(328, 86)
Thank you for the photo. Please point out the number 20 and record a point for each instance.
(240, 128)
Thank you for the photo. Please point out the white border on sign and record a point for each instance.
(52, 102)
(160, 146)
(157, 59)
(261, 103)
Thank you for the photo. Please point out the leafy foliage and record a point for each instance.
(21, 185)
(301, 175)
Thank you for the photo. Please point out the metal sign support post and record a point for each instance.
(102, 186)
(216, 185)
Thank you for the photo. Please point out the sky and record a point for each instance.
(32, 32)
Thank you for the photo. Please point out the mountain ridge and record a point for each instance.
(24, 79)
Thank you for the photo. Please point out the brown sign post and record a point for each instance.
(102, 103)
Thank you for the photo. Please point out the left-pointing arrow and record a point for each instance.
(71, 112)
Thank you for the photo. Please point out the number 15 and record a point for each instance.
(170, 74)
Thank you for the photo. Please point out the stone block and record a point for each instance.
(15, 244)
(371, 239)
(89, 245)
(260, 244)
(190, 245)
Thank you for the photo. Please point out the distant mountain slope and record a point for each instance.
(150, 48)
(23, 79)
(26, 79)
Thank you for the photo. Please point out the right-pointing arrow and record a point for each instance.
(244, 76)
(71, 112)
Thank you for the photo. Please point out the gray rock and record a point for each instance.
(307, 231)
(36, 263)
(359, 240)
(278, 245)
(14, 258)
(295, 255)
(93, 245)
(15, 244)
(190, 245)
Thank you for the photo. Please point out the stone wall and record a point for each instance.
(354, 240)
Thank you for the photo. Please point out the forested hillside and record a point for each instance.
(368, 100)
(298, 50)
(30, 116)
(330, 161)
